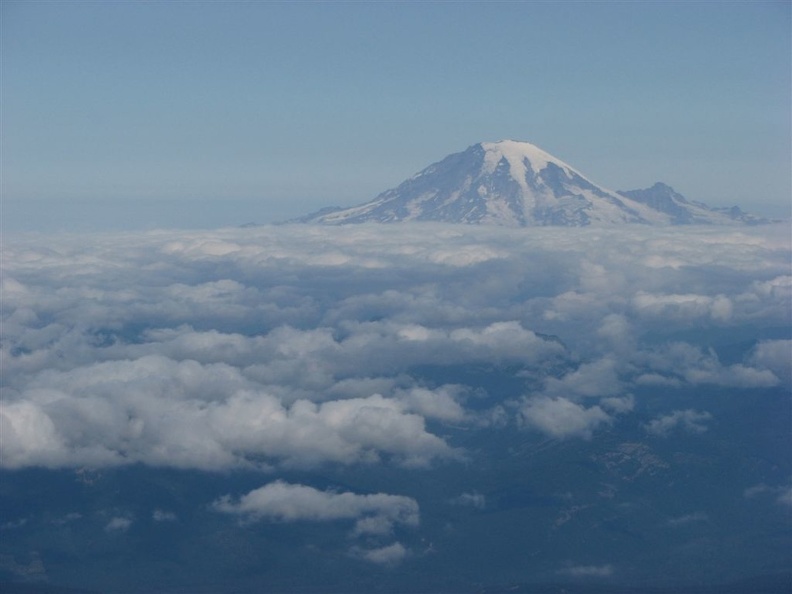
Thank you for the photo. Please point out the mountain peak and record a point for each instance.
(515, 151)
(516, 183)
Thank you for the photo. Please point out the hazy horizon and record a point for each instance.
(304, 105)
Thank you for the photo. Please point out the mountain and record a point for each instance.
(682, 211)
(518, 184)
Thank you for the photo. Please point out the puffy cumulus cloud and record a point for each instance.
(775, 355)
(386, 347)
(618, 331)
(29, 436)
(691, 421)
(682, 362)
(375, 514)
(619, 405)
(738, 375)
(388, 555)
(130, 420)
(558, 411)
(682, 307)
(598, 378)
(560, 417)
(434, 404)
(302, 345)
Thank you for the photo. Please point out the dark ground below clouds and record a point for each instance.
(551, 506)
(765, 584)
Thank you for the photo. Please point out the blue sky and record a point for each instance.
(203, 113)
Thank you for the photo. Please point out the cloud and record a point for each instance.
(374, 516)
(693, 518)
(598, 378)
(776, 356)
(70, 517)
(14, 524)
(433, 404)
(785, 496)
(118, 524)
(297, 351)
(295, 346)
(618, 330)
(618, 405)
(118, 414)
(677, 362)
(560, 417)
(389, 555)
(285, 502)
(473, 499)
(588, 571)
(690, 421)
(159, 515)
(683, 307)
(781, 494)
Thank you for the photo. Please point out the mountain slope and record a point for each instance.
(516, 184)
(682, 211)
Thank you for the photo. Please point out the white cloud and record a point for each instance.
(299, 345)
(121, 415)
(118, 524)
(682, 362)
(619, 405)
(281, 501)
(433, 404)
(740, 376)
(691, 421)
(775, 355)
(683, 307)
(389, 555)
(618, 331)
(560, 417)
(598, 378)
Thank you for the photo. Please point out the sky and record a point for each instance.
(131, 115)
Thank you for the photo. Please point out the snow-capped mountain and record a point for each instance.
(518, 184)
(682, 211)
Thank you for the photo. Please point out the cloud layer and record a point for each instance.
(297, 346)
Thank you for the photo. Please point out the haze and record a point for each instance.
(144, 115)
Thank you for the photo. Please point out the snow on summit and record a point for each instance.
(518, 184)
(516, 153)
